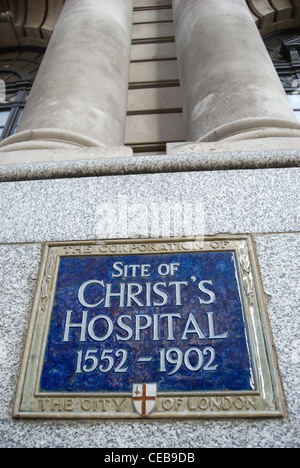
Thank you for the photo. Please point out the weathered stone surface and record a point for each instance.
(279, 263)
(227, 92)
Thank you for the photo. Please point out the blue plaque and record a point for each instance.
(174, 319)
(148, 329)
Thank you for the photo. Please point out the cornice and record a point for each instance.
(31, 22)
(28, 22)
(275, 15)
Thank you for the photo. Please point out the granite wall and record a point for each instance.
(262, 202)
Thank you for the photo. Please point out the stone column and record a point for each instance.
(231, 90)
(80, 94)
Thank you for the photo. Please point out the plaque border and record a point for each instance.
(265, 401)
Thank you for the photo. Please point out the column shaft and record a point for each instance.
(79, 96)
(230, 87)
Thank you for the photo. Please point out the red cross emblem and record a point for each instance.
(144, 398)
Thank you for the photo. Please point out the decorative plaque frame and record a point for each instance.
(168, 328)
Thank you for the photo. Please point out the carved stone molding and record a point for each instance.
(28, 22)
(6, 17)
(31, 22)
(275, 15)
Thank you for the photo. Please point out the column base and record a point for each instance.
(229, 145)
(17, 154)
(246, 129)
(50, 138)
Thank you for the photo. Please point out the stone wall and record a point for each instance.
(76, 181)
(264, 203)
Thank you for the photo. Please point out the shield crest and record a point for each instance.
(144, 398)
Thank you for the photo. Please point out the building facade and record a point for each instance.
(150, 119)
